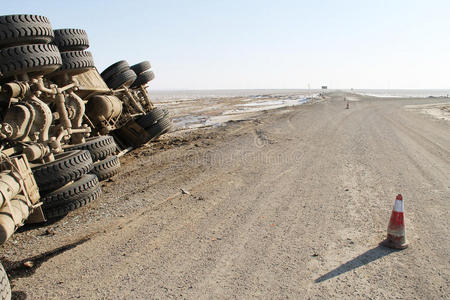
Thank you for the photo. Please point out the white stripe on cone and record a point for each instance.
(399, 206)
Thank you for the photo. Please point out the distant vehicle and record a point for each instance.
(324, 87)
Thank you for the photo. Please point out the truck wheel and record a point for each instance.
(75, 195)
(70, 39)
(161, 127)
(76, 62)
(106, 168)
(141, 67)
(99, 146)
(66, 167)
(143, 78)
(115, 68)
(24, 29)
(5, 288)
(37, 59)
(151, 117)
(126, 78)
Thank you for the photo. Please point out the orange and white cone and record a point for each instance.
(396, 238)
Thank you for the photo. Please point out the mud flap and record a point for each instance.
(37, 216)
(131, 135)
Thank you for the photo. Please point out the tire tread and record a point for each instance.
(71, 39)
(24, 29)
(99, 147)
(55, 174)
(78, 194)
(41, 58)
(106, 168)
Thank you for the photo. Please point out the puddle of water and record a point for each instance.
(212, 107)
(189, 121)
(269, 103)
(265, 105)
(220, 120)
(216, 112)
(192, 122)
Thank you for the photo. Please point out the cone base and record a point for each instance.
(390, 244)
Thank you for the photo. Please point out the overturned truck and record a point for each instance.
(62, 123)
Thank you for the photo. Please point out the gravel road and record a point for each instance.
(288, 204)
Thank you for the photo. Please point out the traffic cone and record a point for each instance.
(396, 238)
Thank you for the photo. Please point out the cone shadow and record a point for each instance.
(361, 260)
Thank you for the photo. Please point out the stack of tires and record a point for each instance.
(65, 183)
(119, 75)
(25, 48)
(72, 44)
(155, 122)
(102, 148)
(143, 72)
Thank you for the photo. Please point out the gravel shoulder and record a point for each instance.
(291, 203)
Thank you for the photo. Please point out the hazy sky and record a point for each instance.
(265, 44)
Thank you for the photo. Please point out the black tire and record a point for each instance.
(106, 168)
(66, 167)
(38, 59)
(24, 29)
(126, 78)
(151, 117)
(161, 127)
(143, 78)
(98, 146)
(75, 195)
(115, 68)
(141, 67)
(5, 288)
(75, 62)
(70, 39)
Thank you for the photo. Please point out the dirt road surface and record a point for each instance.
(291, 203)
